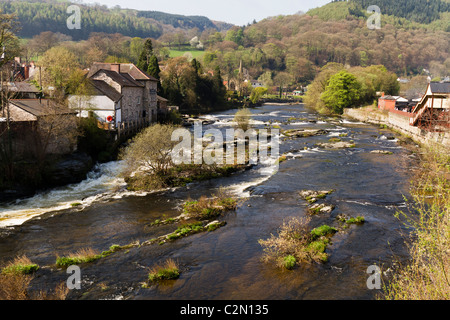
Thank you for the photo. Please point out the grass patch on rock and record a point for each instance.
(20, 265)
(169, 270)
(295, 239)
(81, 256)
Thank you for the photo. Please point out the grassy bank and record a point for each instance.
(427, 275)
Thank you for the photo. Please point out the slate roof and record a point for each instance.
(103, 88)
(25, 87)
(437, 87)
(38, 107)
(123, 79)
(125, 68)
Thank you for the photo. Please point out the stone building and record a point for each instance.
(123, 94)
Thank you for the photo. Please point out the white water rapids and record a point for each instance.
(102, 181)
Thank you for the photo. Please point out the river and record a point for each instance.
(226, 264)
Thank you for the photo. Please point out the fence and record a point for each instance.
(124, 129)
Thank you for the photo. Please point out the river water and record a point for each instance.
(226, 263)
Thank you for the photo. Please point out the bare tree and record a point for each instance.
(9, 46)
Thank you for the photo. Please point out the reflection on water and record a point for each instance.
(226, 264)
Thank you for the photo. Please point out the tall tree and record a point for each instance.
(154, 70)
(146, 54)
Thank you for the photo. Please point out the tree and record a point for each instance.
(146, 54)
(136, 48)
(177, 80)
(150, 151)
(242, 119)
(342, 91)
(155, 71)
(9, 43)
(46, 40)
(257, 93)
(282, 79)
(57, 65)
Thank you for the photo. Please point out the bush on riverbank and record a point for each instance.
(427, 276)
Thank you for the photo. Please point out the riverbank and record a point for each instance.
(425, 276)
(65, 170)
(398, 122)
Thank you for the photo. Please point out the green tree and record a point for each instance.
(257, 93)
(57, 65)
(146, 54)
(9, 43)
(155, 71)
(342, 91)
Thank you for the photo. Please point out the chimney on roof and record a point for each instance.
(115, 67)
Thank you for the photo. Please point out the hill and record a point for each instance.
(434, 14)
(337, 32)
(50, 15)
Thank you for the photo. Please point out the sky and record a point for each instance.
(238, 12)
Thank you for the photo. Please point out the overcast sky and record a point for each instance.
(239, 12)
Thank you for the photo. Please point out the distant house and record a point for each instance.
(391, 103)
(162, 105)
(21, 71)
(256, 83)
(23, 90)
(434, 107)
(123, 94)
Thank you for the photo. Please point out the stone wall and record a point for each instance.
(400, 123)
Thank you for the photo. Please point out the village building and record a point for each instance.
(122, 95)
(433, 110)
(22, 90)
(255, 83)
(28, 117)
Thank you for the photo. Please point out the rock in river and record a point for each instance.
(304, 133)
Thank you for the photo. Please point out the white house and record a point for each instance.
(105, 103)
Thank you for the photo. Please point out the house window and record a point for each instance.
(144, 114)
(138, 100)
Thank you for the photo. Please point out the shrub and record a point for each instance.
(426, 276)
(168, 271)
(295, 239)
(206, 208)
(242, 119)
(289, 262)
(20, 265)
(14, 286)
(322, 231)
